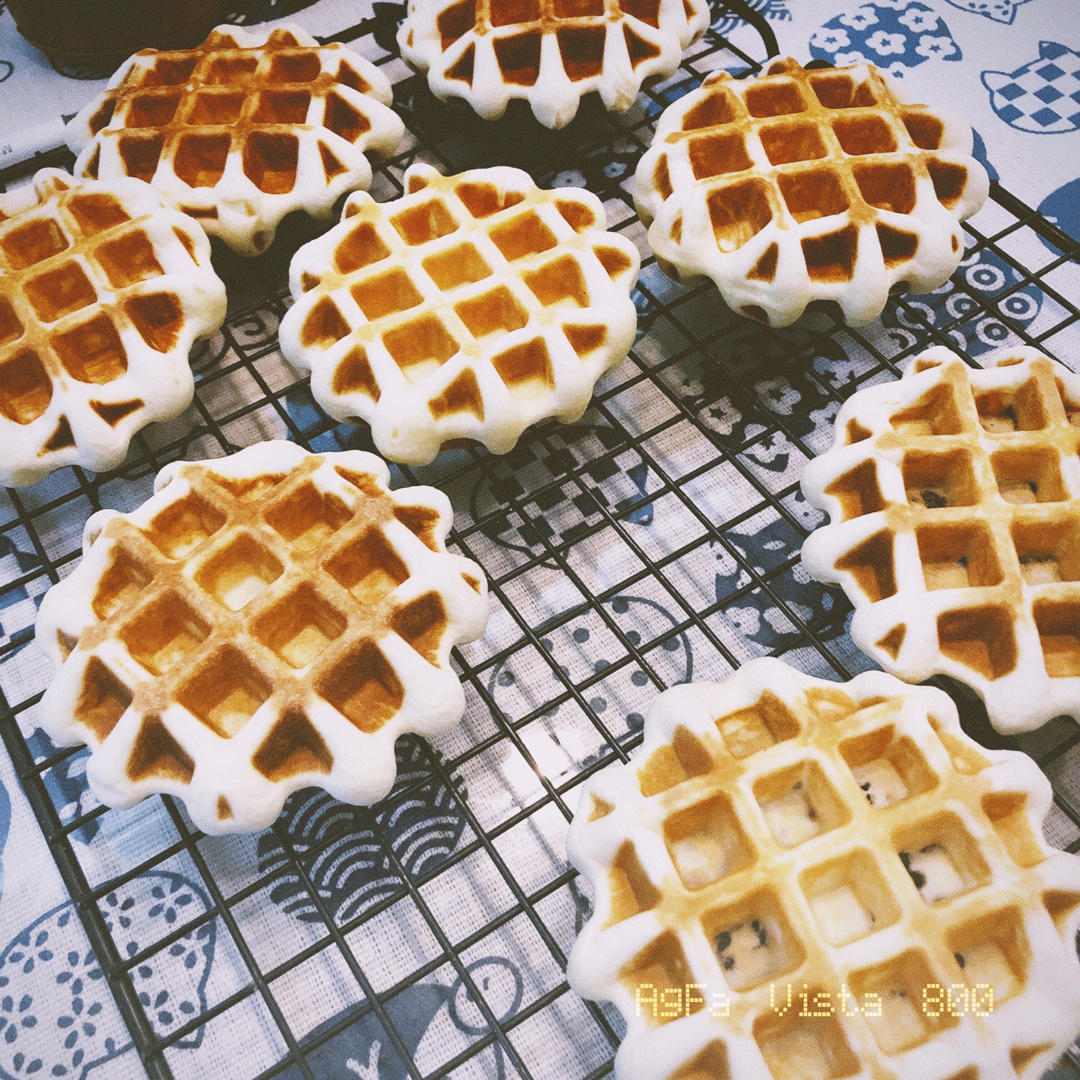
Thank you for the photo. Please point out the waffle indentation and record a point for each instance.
(368, 567)
(164, 632)
(798, 803)
(25, 387)
(849, 897)
(226, 692)
(102, 699)
(749, 731)
(300, 626)
(236, 573)
(707, 843)
(662, 968)
(183, 525)
(994, 954)
(364, 688)
(753, 940)
(901, 1023)
(1059, 636)
(812, 1046)
(888, 768)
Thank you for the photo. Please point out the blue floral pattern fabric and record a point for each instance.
(894, 36)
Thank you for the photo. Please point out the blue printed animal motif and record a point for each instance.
(67, 785)
(1043, 96)
(726, 21)
(894, 34)
(351, 850)
(5, 823)
(978, 152)
(18, 603)
(1003, 11)
(1062, 208)
(983, 276)
(57, 1014)
(363, 1050)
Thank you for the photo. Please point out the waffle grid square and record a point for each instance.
(804, 186)
(470, 308)
(954, 505)
(102, 292)
(243, 129)
(844, 844)
(549, 53)
(264, 622)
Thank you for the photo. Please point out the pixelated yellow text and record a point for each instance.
(937, 1000)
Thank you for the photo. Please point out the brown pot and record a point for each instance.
(102, 33)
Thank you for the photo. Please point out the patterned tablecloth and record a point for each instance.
(654, 542)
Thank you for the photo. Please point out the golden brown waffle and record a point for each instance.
(795, 878)
(102, 292)
(241, 130)
(800, 186)
(470, 308)
(268, 621)
(548, 52)
(954, 498)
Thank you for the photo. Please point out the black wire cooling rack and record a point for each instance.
(656, 540)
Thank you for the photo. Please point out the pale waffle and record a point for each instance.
(243, 129)
(265, 622)
(844, 844)
(954, 499)
(803, 186)
(549, 53)
(102, 292)
(468, 309)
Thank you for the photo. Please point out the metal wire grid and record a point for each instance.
(524, 519)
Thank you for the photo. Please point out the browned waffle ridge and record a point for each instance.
(808, 186)
(243, 129)
(102, 292)
(954, 499)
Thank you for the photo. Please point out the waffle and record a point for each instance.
(241, 130)
(102, 292)
(808, 186)
(954, 499)
(265, 622)
(470, 308)
(548, 52)
(846, 844)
